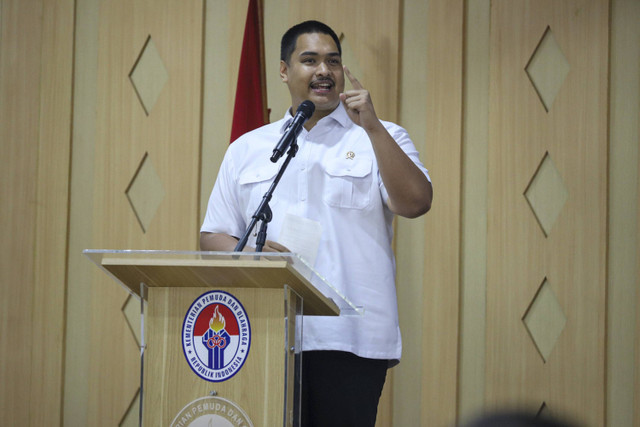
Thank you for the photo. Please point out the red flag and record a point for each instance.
(250, 111)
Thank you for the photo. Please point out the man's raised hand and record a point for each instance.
(358, 104)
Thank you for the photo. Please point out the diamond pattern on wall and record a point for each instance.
(131, 417)
(145, 192)
(547, 69)
(148, 76)
(545, 320)
(131, 312)
(546, 194)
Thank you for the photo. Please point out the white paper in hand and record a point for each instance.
(301, 236)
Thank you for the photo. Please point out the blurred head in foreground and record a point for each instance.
(516, 419)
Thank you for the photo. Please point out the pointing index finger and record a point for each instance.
(354, 82)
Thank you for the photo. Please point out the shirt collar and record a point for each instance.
(339, 115)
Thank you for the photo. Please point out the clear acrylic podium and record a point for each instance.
(264, 296)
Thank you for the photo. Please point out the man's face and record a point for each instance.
(315, 73)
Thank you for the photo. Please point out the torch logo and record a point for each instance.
(216, 336)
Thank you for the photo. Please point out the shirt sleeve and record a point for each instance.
(401, 136)
(224, 214)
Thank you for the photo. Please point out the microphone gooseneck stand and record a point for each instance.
(263, 213)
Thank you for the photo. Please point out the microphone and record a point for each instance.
(304, 112)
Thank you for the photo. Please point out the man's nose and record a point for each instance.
(322, 69)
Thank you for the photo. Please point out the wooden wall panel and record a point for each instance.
(54, 149)
(169, 135)
(622, 256)
(473, 254)
(572, 257)
(80, 272)
(277, 20)
(409, 233)
(441, 276)
(19, 103)
(636, 406)
(224, 31)
(35, 106)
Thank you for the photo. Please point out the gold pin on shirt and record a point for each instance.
(350, 155)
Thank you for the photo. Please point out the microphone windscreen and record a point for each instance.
(306, 108)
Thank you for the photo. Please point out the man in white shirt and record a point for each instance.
(352, 173)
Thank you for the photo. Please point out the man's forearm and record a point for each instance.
(225, 243)
(410, 191)
(217, 242)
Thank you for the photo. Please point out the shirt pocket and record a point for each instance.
(254, 184)
(348, 183)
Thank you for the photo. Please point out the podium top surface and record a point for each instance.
(223, 270)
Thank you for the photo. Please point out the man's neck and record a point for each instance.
(317, 116)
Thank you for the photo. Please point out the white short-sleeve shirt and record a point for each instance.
(333, 179)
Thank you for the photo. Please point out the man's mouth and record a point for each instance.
(322, 86)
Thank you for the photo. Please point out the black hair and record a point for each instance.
(290, 38)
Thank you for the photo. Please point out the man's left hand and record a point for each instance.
(358, 104)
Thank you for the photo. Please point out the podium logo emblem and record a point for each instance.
(216, 336)
(212, 412)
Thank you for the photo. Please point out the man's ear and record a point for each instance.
(284, 71)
